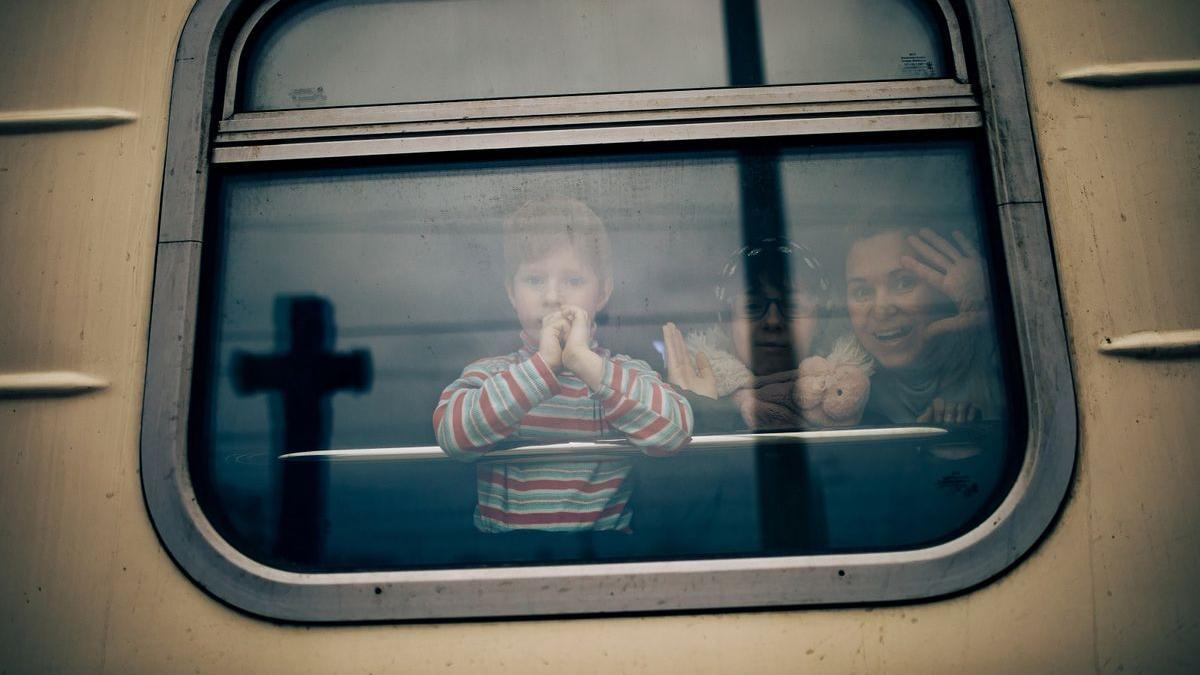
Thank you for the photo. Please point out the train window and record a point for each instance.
(443, 50)
(780, 331)
(424, 301)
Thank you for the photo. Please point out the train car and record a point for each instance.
(853, 336)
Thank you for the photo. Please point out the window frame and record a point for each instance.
(203, 130)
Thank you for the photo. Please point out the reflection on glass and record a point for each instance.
(443, 50)
(864, 298)
(303, 377)
(759, 369)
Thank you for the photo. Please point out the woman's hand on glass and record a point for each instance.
(955, 271)
(685, 371)
(948, 412)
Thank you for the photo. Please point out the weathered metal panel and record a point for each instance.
(87, 587)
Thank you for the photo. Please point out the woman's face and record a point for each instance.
(764, 338)
(890, 307)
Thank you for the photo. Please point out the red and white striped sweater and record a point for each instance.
(519, 398)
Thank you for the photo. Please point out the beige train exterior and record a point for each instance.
(85, 585)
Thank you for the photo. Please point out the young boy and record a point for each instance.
(559, 387)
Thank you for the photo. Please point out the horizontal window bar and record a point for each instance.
(590, 104)
(545, 138)
(592, 450)
(904, 105)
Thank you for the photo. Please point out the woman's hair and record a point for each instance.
(863, 232)
(541, 226)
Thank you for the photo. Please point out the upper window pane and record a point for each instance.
(327, 53)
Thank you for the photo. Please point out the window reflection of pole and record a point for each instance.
(758, 169)
(791, 513)
(305, 375)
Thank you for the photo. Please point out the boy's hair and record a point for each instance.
(541, 226)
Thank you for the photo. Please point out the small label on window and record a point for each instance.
(308, 95)
(913, 64)
(957, 482)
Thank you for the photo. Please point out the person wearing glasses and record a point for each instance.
(744, 371)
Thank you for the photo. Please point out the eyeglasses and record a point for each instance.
(755, 307)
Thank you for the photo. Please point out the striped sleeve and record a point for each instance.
(486, 403)
(651, 414)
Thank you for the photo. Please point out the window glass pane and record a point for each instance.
(346, 302)
(851, 40)
(360, 52)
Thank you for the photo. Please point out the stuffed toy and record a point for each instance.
(832, 390)
(825, 392)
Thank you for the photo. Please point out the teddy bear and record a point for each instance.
(824, 392)
(832, 390)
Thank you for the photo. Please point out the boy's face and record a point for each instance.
(560, 278)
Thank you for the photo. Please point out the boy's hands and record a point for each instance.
(579, 333)
(555, 327)
(577, 354)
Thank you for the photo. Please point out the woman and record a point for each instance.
(918, 303)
